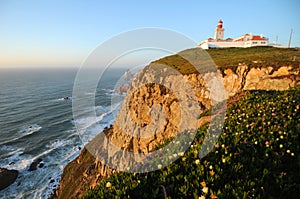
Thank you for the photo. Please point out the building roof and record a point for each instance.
(257, 37)
(239, 39)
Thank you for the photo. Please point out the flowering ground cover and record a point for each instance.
(256, 156)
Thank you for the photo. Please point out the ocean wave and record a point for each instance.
(67, 98)
(89, 127)
(23, 132)
(41, 182)
(57, 143)
(28, 130)
(6, 148)
(12, 159)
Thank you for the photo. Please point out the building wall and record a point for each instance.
(221, 44)
(256, 43)
(203, 45)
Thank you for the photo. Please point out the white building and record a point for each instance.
(244, 41)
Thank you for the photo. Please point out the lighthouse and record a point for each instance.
(219, 31)
(244, 41)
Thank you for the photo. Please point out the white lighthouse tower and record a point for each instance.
(219, 31)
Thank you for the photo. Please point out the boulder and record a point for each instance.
(7, 177)
(36, 163)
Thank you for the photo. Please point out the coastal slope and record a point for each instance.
(240, 70)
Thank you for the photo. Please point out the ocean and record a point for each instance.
(37, 124)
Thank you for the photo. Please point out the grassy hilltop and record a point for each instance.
(256, 156)
(232, 57)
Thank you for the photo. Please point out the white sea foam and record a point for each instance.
(29, 129)
(57, 143)
(67, 98)
(14, 159)
(57, 155)
(89, 127)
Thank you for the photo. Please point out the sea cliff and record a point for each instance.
(253, 73)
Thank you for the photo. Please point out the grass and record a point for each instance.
(256, 156)
(231, 57)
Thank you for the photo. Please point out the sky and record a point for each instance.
(54, 33)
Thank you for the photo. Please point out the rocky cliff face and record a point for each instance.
(86, 171)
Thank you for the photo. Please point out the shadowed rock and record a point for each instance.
(36, 163)
(7, 177)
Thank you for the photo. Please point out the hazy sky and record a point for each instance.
(62, 33)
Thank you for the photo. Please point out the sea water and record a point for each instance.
(37, 122)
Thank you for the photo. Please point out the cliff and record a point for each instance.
(254, 73)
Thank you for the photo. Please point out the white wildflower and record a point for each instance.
(108, 185)
(180, 153)
(159, 166)
(205, 189)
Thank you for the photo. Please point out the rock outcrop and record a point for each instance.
(36, 164)
(80, 174)
(7, 177)
(86, 171)
(269, 79)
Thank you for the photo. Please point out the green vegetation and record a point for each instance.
(257, 156)
(231, 57)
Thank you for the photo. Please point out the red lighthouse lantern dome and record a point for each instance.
(220, 24)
